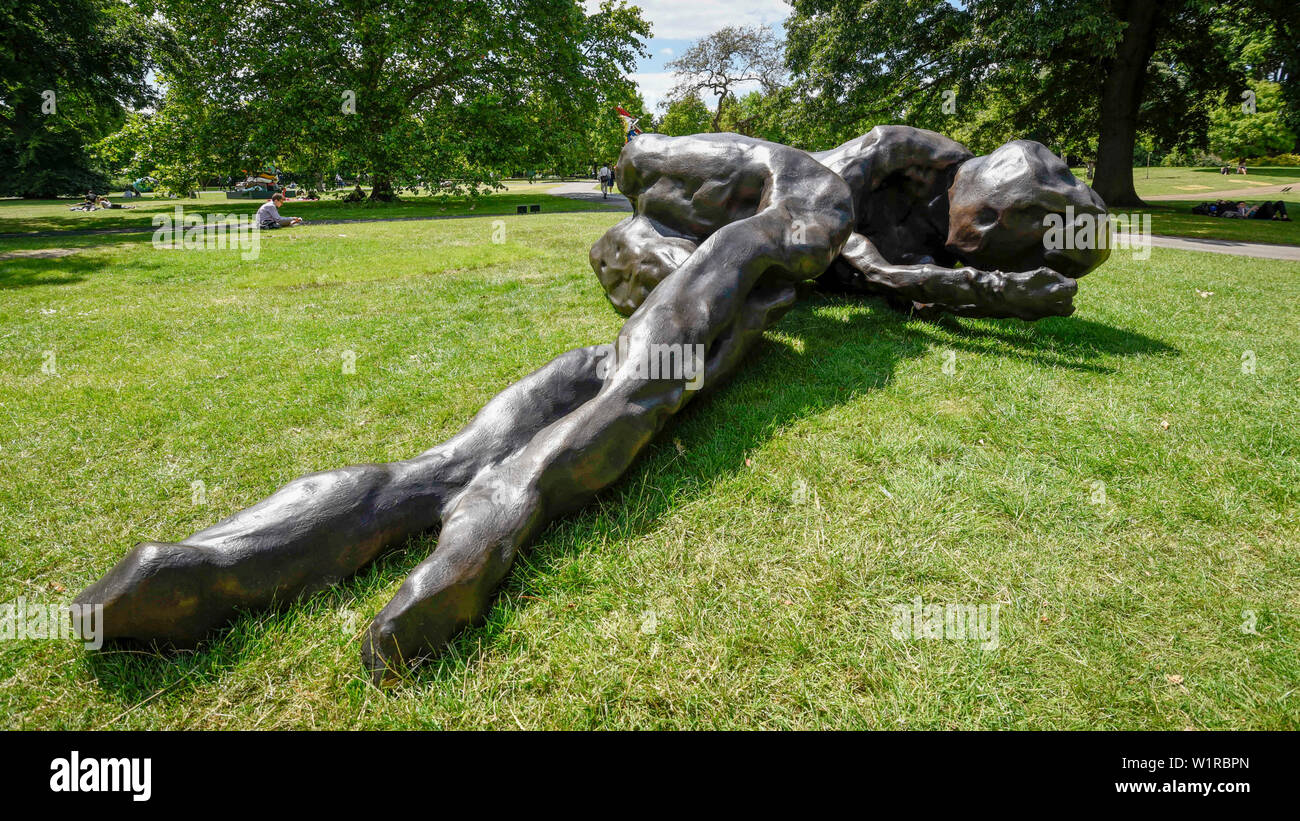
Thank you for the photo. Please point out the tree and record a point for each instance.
(718, 63)
(606, 136)
(685, 116)
(161, 144)
(69, 67)
(434, 94)
(1254, 128)
(1068, 73)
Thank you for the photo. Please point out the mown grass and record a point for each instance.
(1196, 182)
(743, 573)
(1177, 220)
(26, 216)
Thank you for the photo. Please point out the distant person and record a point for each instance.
(606, 176)
(268, 216)
(103, 202)
(1241, 167)
(1275, 210)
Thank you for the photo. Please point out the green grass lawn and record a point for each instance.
(18, 216)
(743, 573)
(1176, 219)
(1195, 182)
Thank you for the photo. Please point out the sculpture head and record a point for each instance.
(999, 208)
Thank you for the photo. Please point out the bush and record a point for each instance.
(1279, 159)
(1191, 159)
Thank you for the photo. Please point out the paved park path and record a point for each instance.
(1260, 250)
(589, 191)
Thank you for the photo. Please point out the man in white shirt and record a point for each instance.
(268, 216)
(606, 182)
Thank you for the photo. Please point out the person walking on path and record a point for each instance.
(606, 180)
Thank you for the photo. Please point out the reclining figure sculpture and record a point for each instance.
(724, 228)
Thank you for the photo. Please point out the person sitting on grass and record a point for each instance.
(268, 216)
(87, 203)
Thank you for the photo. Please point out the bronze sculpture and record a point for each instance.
(724, 228)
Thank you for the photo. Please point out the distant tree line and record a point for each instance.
(443, 95)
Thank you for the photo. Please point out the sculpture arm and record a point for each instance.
(965, 291)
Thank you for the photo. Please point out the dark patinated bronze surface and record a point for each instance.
(724, 228)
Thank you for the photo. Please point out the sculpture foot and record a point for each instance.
(452, 589)
(160, 592)
(440, 598)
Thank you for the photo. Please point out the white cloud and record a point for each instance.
(667, 52)
(654, 87)
(693, 19)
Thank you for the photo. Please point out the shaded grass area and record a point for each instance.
(20, 216)
(1113, 481)
(1176, 219)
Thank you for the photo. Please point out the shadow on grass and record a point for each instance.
(139, 218)
(28, 263)
(825, 353)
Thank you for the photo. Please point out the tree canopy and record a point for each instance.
(69, 69)
(729, 57)
(1081, 75)
(411, 92)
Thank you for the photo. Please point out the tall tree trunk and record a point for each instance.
(1121, 97)
(381, 189)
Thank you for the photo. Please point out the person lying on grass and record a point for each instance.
(93, 201)
(268, 216)
(1243, 210)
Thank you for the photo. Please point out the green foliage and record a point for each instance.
(445, 95)
(1084, 77)
(688, 115)
(1023, 70)
(1288, 160)
(1238, 133)
(68, 68)
(731, 56)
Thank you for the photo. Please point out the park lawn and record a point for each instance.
(1115, 482)
(1197, 182)
(23, 216)
(1173, 218)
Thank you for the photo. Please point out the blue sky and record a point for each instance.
(677, 23)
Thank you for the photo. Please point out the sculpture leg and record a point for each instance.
(720, 299)
(323, 527)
